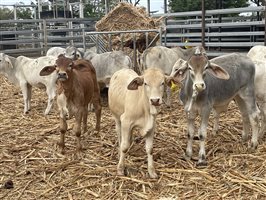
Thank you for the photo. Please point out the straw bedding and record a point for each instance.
(31, 163)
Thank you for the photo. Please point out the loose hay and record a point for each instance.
(29, 158)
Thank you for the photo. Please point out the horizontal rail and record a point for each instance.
(215, 34)
(213, 12)
(215, 44)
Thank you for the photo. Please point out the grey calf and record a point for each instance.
(213, 84)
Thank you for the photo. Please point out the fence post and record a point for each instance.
(45, 37)
(203, 23)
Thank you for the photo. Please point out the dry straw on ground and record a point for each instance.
(126, 17)
(30, 159)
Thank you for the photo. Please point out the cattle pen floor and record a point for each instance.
(30, 159)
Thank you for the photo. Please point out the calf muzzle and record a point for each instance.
(155, 101)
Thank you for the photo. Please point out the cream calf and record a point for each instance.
(133, 101)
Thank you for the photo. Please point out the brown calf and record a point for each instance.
(77, 87)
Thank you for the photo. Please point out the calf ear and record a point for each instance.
(179, 70)
(170, 80)
(218, 71)
(47, 70)
(8, 61)
(135, 83)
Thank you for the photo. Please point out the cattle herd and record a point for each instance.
(75, 78)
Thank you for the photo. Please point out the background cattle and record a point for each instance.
(213, 84)
(77, 87)
(70, 52)
(258, 55)
(24, 72)
(106, 64)
(164, 58)
(56, 51)
(133, 101)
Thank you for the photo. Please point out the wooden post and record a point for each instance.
(203, 24)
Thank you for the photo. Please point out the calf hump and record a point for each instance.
(83, 64)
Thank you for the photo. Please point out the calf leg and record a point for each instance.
(85, 120)
(51, 95)
(118, 130)
(245, 118)
(263, 119)
(168, 96)
(202, 137)
(124, 146)
(98, 110)
(24, 89)
(216, 122)
(149, 147)
(216, 112)
(63, 129)
(248, 106)
(77, 129)
(29, 91)
(191, 130)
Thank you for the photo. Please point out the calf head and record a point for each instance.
(73, 53)
(5, 62)
(197, 67)
(154, 81)
(63, 67)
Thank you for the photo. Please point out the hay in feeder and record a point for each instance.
(125, 17)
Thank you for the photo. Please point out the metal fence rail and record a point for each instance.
(222, 32)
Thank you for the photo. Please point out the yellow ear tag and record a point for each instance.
(173, 86)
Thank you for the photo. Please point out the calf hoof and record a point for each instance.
(186, 157)
(252, 147)
(120, 172)
(201, 164)
(153, 175)
(244, 137)
(214, 132)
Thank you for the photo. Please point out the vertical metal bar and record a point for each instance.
(165, 32)
(106, 7)
(203, 24)
(148, 7)
(219, 21)
(134, 52)
(122, 41)
(165, 6)
(146, 39)
(45, 36)
(110, 42)
(97, 43)
(161, 34)
(83, 39)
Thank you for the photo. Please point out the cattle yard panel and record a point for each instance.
(36, 36)
(223, 32)
(106, 45)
